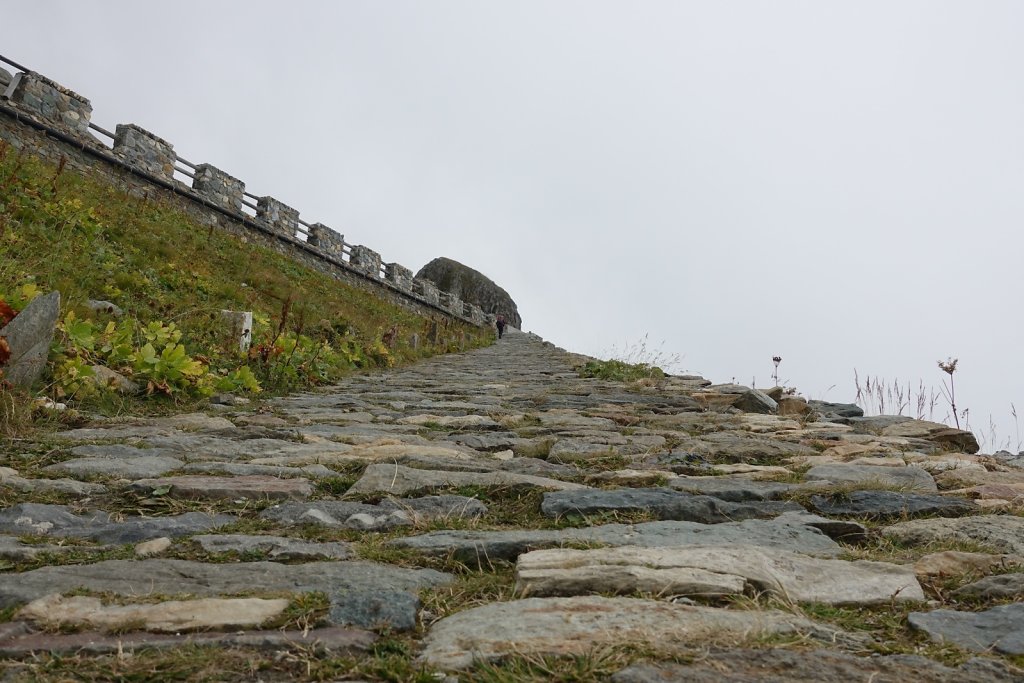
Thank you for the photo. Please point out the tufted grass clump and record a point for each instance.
(620, 371)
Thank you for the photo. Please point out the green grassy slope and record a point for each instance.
(172, 277)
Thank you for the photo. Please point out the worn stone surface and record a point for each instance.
(736, 489)
(477, 546)
(251, 486)
(661, 503)
(169, 577)
(490, 425)
(396, 610)
(993, 588)
(714, 572)
(890, 504)
(779, 665)
(273, 547)
(398, 480)
(335, 640)
(387, 514)
(58, 520)
(910, 478)
(1003, 533)
(28, 338)
(573, 626)
(1000, 629)
(163, 617)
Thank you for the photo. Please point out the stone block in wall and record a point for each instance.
(426, 290)
(278, 215)
(366, 260)
(450, 302)
(5, 80)
(399, 276)
(326, 240)
(476, 314)
(219, 187)
(144, 151)
(50, 102)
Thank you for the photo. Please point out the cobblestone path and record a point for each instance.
(479, 512)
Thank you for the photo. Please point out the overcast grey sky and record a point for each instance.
(838, 183)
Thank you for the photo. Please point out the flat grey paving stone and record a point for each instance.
(714, 572)
(204, 447)
(173, 577)
(257, 487)
(890, 505)
(1002, 533)
(736, 489)
(779, 665)
(242, 469)
(375, 609)
(118, 451)
(333, 639)
(662, 503)
(58, 521)
(135, 467)
(487, 441)
(910, 478)
(482, 546)
(69, 487)
(996, 587)
(274, 547)
(388, 514)
(399, 480)
(730, 446)
(1000, 629)
(574, 626)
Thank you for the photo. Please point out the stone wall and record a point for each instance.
(45, 119)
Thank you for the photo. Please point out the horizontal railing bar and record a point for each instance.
(186, 162)
(101, 130)
(250, 205)
(14, 64)
(184, 172)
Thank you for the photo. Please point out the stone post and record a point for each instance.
(365, 260)
(144, 151)
(326, 240)
(218, 186)
(51, 102)
(426, 290)
(239, 324)
(399, 276)
(278, 215)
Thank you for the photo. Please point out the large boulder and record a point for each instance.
(472, 287)
(27, 338)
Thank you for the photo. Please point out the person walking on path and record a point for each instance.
(500, 322)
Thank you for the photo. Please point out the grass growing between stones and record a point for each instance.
(595, 665)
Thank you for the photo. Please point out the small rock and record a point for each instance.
(107, 307)
(154, 547)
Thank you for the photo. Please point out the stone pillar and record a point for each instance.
(218, 186)
(326, 240)
(450, 303)
(144, 151)
(366, 260)
(51, 102)
(239, 324)
(278, 215)
(399, 276)
(426, 290)
(476, 314)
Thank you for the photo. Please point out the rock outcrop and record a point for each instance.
(472, 287)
